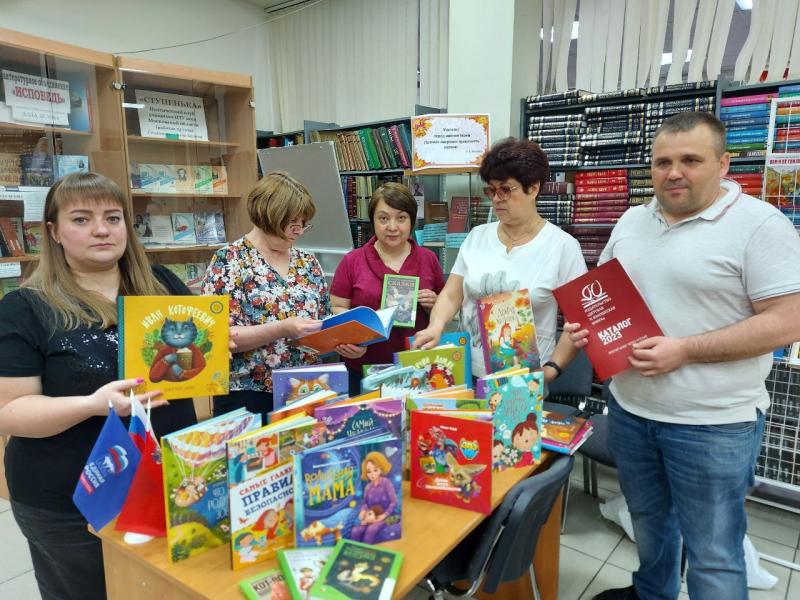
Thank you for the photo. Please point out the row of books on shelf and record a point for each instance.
(180, 228)
(370, 148)
(746, 119)
(574, 97)
(18, 237)
(9, 284)
(179, 179)
(39, 169)
(191, 274)
(358, 189)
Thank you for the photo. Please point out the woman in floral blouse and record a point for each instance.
(277, 292)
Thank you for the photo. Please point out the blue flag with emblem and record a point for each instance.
(106, 478)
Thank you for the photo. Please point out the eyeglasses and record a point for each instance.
(503, 192)
(302, 227)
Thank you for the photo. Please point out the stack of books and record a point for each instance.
(746, 121)
(559, 137)
(592, 241)
(640, 186)
(370, 148)
(555, 202)
(562, 433)
(749, 177)
(600, 197)
(614, 135)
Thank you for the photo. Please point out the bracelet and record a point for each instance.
(555, 367)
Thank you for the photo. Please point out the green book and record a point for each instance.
(301, 567)
(369, 148)
(356, 570)
(401, 291)
(267, 585)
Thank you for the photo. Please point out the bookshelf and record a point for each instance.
(36, 140)
(200, 179)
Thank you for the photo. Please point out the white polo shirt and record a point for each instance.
(700, 275)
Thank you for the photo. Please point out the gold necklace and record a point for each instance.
(531, 233)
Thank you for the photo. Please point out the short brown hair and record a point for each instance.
(687, 121)
(395, 195)
(276, 200)
(523, 160)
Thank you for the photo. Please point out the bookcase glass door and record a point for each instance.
(58, 115)
(191, 150)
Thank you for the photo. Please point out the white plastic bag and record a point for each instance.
(615, 509)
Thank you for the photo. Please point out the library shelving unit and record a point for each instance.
(600, 143)
(227, 100)
(367, 155)
(37, 142)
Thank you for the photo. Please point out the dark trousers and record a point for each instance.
(67, 559)
(354, 381)
(255, 402)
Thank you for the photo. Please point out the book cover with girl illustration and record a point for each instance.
(358, 572)
(507, 331)
(516, 402)
(194, 463)
(301, 567)
(401, 291)
(451, 458)
(349, 491)
(177, 344)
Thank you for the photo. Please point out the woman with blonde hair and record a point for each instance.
(278, 292)
(58, 372)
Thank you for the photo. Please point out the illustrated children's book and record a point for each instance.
(305, 405)
(451, 458)
(517, 405)
(262, 516)
(358, 572)
(401, 291)
(269, 585)
(294, 383)
(480, 384)
(455, 338)
(349, 490)
(177, 344)
(301, 567)
(562, 433)
(360, 325)
(443, 366)
(395, 377)
(508, 334)
(194, 461)
(348, 420)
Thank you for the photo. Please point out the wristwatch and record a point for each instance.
(555, 367)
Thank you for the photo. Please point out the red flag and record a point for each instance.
(143, 511)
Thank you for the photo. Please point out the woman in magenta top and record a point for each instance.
(358, 280)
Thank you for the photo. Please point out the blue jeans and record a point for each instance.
(67, 559)
(686, 482)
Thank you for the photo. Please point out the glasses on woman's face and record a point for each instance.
(299, 226)
(503, 192)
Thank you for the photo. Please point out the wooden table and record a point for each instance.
(430, 532)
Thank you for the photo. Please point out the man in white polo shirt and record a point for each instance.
(720, 271)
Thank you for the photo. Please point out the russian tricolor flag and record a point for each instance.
(139, 426)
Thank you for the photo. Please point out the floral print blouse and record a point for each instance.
(260, 295)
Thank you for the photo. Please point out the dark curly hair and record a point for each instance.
(523, 160)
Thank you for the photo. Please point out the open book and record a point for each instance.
(360, 325)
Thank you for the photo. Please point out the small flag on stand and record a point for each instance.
(106, 478)
(143, 511)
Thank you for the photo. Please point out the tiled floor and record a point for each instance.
(595, 554)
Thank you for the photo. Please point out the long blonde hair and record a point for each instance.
(53, 279)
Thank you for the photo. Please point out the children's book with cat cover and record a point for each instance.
(443, 366)
(304, 405)
(349, 491)
(401, 291)
(194, 462)
(517, 405)
(451, 458)
(508, 334)
(301, 567)
(346, 420)
(357, 571)
(269, 585)
(262, 516)
(177, 344)
(454, 338)
(294, 383)
(361, 326)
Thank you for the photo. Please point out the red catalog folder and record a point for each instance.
(606, 302)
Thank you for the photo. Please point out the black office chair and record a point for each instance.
(502, 548)
(595, 449)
